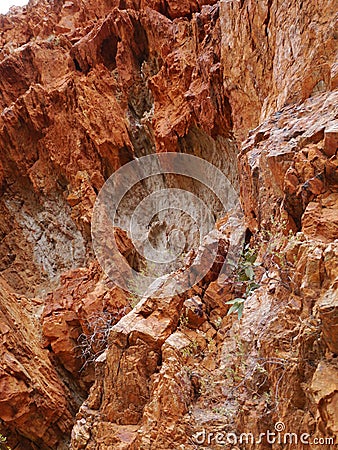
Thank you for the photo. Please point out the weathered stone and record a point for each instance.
(328, 313)
(320, 219)
(86, 87)
(193, 312)
(324, 387)
(77, 318)
(331, 139)
(34, 398)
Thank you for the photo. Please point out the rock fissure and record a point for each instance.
(87, 87)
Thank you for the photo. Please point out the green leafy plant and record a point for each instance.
(245, 275)
(134, 299)
(237, 306)
(52, 39)
(275, 245)
(183, 322)
(191, 349)
(3, 443)
(218, 323)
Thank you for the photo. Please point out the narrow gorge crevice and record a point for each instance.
(239, 332)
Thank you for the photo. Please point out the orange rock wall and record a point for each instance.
(86, 86)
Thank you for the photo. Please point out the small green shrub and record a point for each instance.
(273, 248)
(54, 40)
(191, 349)
(245, 274)
(3, 443)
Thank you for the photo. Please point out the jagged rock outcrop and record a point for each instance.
(86, 87)
(35, 399)
(86, 304)
(278, 363)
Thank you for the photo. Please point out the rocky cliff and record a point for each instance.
(89, 86)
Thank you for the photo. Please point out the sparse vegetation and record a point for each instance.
(191, 349)
(93, 343)
(3, 443)
(253, 375)
(183, 322)
(245, 275)
(53, 39)
(272, 248)
(133, 300)
(211, 348)
(218, 323)
(277, 245)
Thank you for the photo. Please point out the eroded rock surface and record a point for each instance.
(35, 399)
(86, 87)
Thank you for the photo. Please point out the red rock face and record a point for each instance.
(35, 401)
(86, 87)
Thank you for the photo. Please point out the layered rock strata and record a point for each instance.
(87, 87)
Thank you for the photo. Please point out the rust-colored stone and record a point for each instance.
(86, 87)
